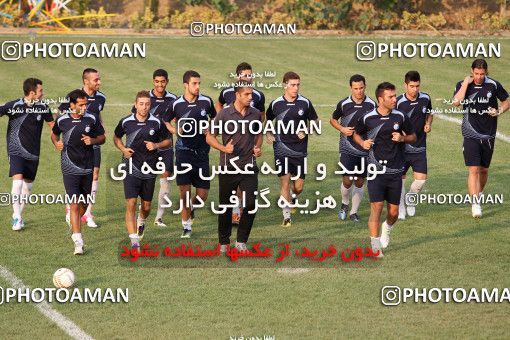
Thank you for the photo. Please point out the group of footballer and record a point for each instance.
(390, 133)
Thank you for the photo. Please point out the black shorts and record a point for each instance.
(134, 187)
(198, 165)
(292, 166)
(350, 162)
(77, 185)
(19, 165)
(478, 152)
(385, 188)
(417, 161)
(97, 156)
(167, 158)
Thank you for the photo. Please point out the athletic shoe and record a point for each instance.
(22, 224)
(286, 223)
(186, 233)
(16, 224)
(135, 246)
(376, 246)
(90, 222)
(78, 248)
(354, 217)
(402, 212)
(141, 230)
(342, 214)
(385, 235)
(380, 255)
(476, 211)
(241, 246)
(411, 210)
(159, 223)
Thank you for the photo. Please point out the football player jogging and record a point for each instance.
(244, 73)
(383, 133)
(479, 96)
(161, 100)
(186, 112)
(290, 148)
(95, 104)
(347, 113)
(80, 131)
(26, 119)
(145, 135)
(416, 105)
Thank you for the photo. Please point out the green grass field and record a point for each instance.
(443, 246)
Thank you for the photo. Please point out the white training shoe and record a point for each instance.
(385, 235)
(91, 223)
(376, 247)
(17, 224)
(241, 246)
(402, 212)
(159, 223)
(476, 210)
(78, 248)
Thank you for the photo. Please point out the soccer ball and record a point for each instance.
(63, 278)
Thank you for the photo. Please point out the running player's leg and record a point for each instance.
(285, 193)
(416, 186)
(483, 176)
(130, 218)
(392, 192)
(88, 217)
(357, 196)
(227, 185)
(185, 198)
(16, 191)
(164, 186)
(373, 225)
(248, 185)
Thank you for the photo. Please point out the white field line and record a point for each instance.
(69, 327)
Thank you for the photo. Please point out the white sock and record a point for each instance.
(187, 224)
(17, 188)
(93, 192)
(76, 237)
(357, 196)
(417, 185)
(140, 220)
(389, 226)
(403, 193)
(345, 194)
(135, 239)
(286, 213)
(164, 190)
(375, 242)
(26, 191)
(236, 210)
